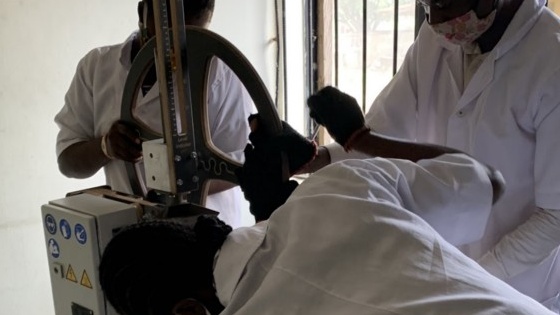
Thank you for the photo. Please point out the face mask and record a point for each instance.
(464, 29)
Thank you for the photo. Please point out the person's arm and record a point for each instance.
(84, 159)
(344, 120)
(78, 149)
(535, 239)
(79, 143)
(393, 110)
(447, 192)
(375, 144)
(528, 245)
(322, 159)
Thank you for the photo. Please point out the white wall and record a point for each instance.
(40, 45)
(249, 25)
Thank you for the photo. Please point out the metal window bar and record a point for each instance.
(364, 52)
(419, 19)
(284, 70)
(365, 44)
(395, 35)
(310, 42)
(310, 31)
(418, 22)
(336, 42)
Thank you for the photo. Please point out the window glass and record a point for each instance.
(379, 45)
(295, 66)
(554, 5)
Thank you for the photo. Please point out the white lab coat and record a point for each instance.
(508, 116)
(347, 242)
(93, 103)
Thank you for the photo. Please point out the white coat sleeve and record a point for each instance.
(393, 113)
(525, 247)
(229, 107)
(75, 119)
(534, 240)
(547, 151)
(452, 193)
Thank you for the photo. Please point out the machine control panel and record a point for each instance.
(77, 229)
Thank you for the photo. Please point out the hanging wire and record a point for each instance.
(395, 36)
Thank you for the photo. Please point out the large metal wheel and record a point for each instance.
(202, 46)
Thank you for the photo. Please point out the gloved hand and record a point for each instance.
(336, 111)
(123, 142)
(262, 177)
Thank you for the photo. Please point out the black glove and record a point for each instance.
(262, 177)
(336, 111)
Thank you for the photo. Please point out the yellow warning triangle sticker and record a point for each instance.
(70, 275)
(85, 280)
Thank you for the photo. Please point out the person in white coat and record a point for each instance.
(356, 237)
(481, 77)
(92, 137)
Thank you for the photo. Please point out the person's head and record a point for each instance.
(196, 12)
(460, 21)
(163, 267)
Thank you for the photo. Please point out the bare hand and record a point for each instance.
(123, 142)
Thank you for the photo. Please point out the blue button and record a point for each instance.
(65, 229)
(50, 224)
(80, 233)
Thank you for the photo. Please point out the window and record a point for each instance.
(554, 5)
(356, 45)
(371, 38)
(362, 43)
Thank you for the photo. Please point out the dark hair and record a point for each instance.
(148, 267)
(193, 9)
(196, 8)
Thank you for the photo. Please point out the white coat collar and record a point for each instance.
(232, 258)
(153, 94)
(126, 50)
(524, 19)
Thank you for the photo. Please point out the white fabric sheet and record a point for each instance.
(345, 243)
(507, 116)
